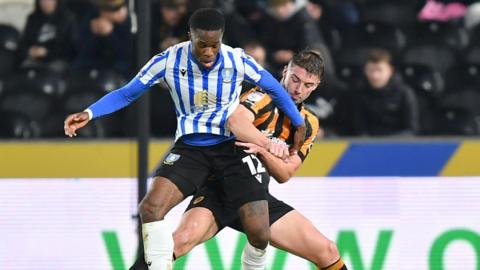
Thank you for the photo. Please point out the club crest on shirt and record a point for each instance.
(171, 158)
(198, 199)
(200, 100)
(227, 75)
(255, 96)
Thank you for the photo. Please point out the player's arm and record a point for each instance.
(109, 103)
(241, 124)
(257, 75)
(119, 98)
(280, 169)
(283, 170)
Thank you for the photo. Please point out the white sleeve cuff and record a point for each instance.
(90, 114)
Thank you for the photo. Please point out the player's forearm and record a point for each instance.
(280, 97)
(278, 168)
(118, 99)
(245, 131)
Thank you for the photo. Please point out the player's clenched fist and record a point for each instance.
(74, 122)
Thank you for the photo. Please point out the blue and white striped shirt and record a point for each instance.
(203, 98)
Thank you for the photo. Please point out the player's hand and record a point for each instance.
(278, 148)
(298, 139)
(251, 147)
(74, 122)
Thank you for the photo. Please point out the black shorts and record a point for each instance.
(237, 174)
(226, 215)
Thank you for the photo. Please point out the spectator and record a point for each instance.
(106, 38)
(258, 52)
(285, 29)
(170, 26)
(48, 39)
(386, 106)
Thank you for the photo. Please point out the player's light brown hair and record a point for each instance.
(311, 60)
(379, 55)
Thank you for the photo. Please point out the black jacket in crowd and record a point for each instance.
(392, 110)
(115, 51)
(55, 32)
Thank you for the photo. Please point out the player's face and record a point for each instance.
(378, 74)
(299, 83)
(205, 46)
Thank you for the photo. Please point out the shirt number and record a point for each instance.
(249, 160)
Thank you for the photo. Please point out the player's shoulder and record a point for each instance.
(255, 94)
(310, 117)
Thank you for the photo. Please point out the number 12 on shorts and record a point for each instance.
(254, 171)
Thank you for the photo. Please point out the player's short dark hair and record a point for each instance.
(379, 55)
(208, 19)
(311, 60)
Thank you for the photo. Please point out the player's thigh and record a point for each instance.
(242, 177)
(296, 234)
(196, 226)
(255, 222)
(163, 194)
(187, 167)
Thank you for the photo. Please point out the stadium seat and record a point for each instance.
(456, 121)
(40, 81)
(9, 37)
(467, 98)
(462, 75)
(352, 75)
(459, 112)
(35, 106)
(52, 126)
(471, 55)
(399, 13)
(423, 79)
(7, 61)
(15, 125)
(102, 81)
(110, 126)
(332, 37)
(374, 35)
(439, 33)
(437, 57)
(4, 85)
(474, 35)
(428, 86)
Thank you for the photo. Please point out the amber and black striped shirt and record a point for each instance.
(273, 122)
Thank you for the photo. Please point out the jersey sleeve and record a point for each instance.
(122, 97)
(256, 101)
(155, 69)
(313, 126)
(252, 69)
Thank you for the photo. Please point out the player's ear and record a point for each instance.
(284, 72)
(189, 35)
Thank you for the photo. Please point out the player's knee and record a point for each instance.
(332, 250)
(150, 211)
(183, 242)
(259, 238)
(328, 255)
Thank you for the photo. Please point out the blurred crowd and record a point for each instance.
(394, 67)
